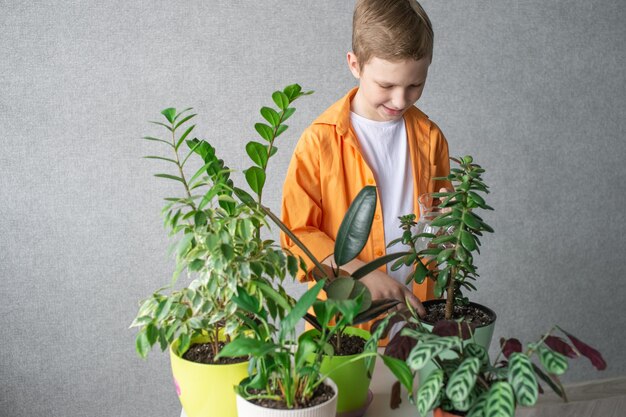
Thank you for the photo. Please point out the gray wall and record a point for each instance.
(535, 90)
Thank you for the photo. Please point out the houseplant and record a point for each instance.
(467, 380)
(220, 247)
(452, 236)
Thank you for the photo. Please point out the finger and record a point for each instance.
(416, 304)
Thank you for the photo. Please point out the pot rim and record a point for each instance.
(327, 381)
(492, 314)
(224, 365)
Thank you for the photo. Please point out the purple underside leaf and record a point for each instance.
(453, 328)
(592, 354)
(559, 345)
(399, 346)
(510, 346)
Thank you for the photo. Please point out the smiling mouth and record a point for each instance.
(392, 111)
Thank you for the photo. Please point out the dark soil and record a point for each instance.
(203, 353)
(471, 313)
(322, 394)
(350, 345)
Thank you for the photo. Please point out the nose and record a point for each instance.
(399, 98)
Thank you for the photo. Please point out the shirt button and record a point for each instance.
(379, 253)
(370, 181)
(377, 217)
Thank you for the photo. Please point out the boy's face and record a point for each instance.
(387, 88)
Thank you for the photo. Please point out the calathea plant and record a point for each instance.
(449, 259)
(218, 238)
(467, 380)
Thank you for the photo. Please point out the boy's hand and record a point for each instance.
(382, 285)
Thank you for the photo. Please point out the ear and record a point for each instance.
(353, 64)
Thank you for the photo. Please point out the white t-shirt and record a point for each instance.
(384, 147)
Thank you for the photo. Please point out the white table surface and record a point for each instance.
(601, 398)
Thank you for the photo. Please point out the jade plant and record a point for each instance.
(218, 241)
(449, 258)
(467, 380)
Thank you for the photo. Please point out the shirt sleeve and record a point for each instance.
(302, 206)
(440, 158)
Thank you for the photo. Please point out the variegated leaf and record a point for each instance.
(462, 381)
(425, 350)
(478, 410)
(477, 351)
(500, 401)
(467, 402)
(522, 379)
(428, 394)
(554, 362)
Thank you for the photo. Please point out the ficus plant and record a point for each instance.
(449, 258)
(467, 380)
(218, 241)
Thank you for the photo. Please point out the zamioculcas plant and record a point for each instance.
(218, 238)
(449, 259)
(468, 381)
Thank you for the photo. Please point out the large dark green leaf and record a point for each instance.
(401, 371)
(376, 263)
(355, 227)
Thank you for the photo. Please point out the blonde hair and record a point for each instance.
(392, 30)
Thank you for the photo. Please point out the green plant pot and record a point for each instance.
(206, 390)
(482, 336)
(353, 380)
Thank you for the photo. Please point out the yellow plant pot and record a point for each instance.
(206, 390)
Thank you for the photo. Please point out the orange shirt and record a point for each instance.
(327, 171)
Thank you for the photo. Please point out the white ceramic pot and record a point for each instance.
(327, 409)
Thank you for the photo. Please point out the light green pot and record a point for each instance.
(353, 380)
(482, 336)
(206, 390)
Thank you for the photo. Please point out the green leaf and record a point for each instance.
(522, 379)
(161, 158)
(244, 346)
(340, 288)
(293, 91)
(153, 139)
(168, 176)
(169, 114)
(258, 153)
(185, 342)
(477, 351)
(184, 136)
(500, 401)
(280, 129)
(270, 115)
(306, 347)
(444, 255)
(376, 263)
(183, 121)
(287, 113)
(142, 345)
(255, 177)
(428, 393)
(554, 362)
(400, 370)
(462, 381)
(420, 273)
(355, 226)
(425, 350)
(298, 311)
(281, 99)
(478, 409)
(376, 308)
(467, 240)
(265, 131)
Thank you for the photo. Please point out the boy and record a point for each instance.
(372, 136)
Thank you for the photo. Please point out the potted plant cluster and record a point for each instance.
(220, 248)
(449, 351)
(466, 381)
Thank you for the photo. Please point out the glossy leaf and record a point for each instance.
(299, 310)
(270, 115)
(376, 308)
(425, 350)
(400, 370)
(478, 409)
(428, 393)
(265, 131)
(340, 288)
(522, 379)
(477, 351)
(255, 177)
(169, 114)
(355, 227)
(258, 153)
(281, 100)
(376, 263)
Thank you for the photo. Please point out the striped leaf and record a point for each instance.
(462, 381)
(425, 350)
(500, 401)
(554, 362)
(428, 393)
(478, 410)
(466, 403)
(477, 351)
(522, 379)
